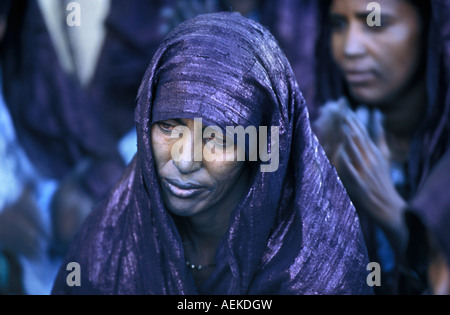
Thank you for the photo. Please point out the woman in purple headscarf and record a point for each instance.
(389, 61)
(429, 210)
(188, 219)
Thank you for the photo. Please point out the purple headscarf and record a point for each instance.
(295, 231)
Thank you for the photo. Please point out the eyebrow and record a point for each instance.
(181, 122)
(177, 120)
(362, 16)
(383, 15)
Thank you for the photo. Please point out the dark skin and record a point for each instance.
(382, 69)
(202, 213)
(365, 173)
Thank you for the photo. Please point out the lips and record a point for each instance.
(359, 76)
(183, 190)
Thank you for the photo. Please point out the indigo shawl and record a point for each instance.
(295, 231)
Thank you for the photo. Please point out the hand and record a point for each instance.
(364, 171)
(328, 126)
(21, 229)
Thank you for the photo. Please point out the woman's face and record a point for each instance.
(192, 185)
(378, 62)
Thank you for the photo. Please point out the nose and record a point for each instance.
(186, 157)
(355, 42)
(186, 167)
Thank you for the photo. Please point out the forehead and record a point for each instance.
(356, 7)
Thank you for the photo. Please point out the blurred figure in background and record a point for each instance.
(23, 227)
(63, 126)
(390, 126)
(293, 23)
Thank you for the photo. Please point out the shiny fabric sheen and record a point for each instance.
(295, 232)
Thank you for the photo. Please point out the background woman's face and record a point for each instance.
(378, 62)
(191, 187)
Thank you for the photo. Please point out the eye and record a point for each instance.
(166, 126)
(217, 139)
(337, 23)
(376, 28)
(384, 23)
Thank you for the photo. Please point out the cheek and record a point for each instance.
(399, 54)
(224, 173)
(161, 149)
(337, 47)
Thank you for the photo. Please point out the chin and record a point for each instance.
(181, 208)
(368, 96)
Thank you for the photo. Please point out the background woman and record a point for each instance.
(392, 127)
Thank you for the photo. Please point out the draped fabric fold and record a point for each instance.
(295, 231)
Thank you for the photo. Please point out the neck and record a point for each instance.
(202, 233)
(403, 116)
